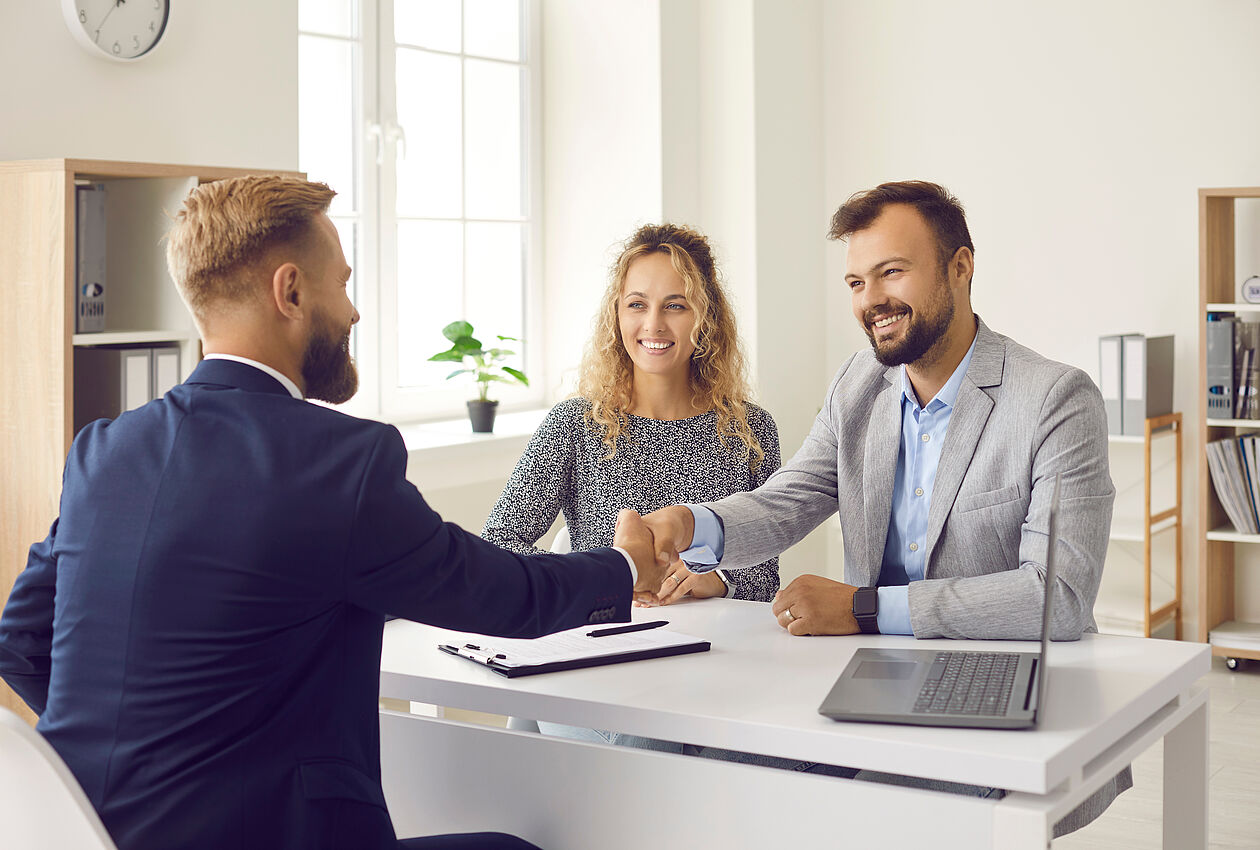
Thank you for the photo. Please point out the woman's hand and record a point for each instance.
(680, 582)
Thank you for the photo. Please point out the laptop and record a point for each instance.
(973, 688)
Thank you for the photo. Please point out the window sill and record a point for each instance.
(448, 454)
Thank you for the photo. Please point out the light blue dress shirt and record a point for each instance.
(923, 431)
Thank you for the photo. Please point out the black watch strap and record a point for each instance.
(866, 609)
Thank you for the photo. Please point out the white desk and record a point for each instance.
(1108, 699)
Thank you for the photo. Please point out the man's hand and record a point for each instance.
(672, 528)
(813, 605)
(633, 535)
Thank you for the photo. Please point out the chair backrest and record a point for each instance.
(42, 806)
(562, 545)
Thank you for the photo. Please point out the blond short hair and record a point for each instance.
(226, 227)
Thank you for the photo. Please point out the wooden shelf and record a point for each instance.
(1218, 293)
(134, 337)
(37, 301)
(1140, 521)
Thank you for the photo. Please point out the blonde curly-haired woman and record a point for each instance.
(662, 415)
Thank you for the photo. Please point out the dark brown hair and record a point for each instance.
(940, 209)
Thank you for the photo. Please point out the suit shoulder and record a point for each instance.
(1026, 364)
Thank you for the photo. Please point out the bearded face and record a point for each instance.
(327, 367)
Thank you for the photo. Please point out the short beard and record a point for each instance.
(327, 367)
(921, 333)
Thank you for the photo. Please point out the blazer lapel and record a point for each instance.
(966, 424)
(879, 465)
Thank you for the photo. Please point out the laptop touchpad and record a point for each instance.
(885, 670)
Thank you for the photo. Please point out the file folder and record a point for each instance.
(1147, 382)
(89, 278)
(1109, 372)
(573, 649)
(1220, 367)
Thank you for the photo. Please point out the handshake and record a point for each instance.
(654, 541)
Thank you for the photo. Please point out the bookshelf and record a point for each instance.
(1231, 638)
(37, 304)
(1148, 513)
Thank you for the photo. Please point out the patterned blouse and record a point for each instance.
(658, 463)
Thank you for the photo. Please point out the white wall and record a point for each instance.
(1076, 133)
(601, 158)
(221, 89)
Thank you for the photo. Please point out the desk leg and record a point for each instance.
(1186, 781)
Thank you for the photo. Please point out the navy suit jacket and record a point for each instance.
(200, 632)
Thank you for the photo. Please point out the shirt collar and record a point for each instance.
(279, 376)
(949, 393)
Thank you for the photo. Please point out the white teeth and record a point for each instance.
(883, 323)
(655, 346)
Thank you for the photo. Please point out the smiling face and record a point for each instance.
(902, 298)
(655, 318)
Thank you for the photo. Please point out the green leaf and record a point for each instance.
(455, 330)
(518, 374)
(452, 356)
(498, 353)
(506, 338)
(457, 372)
(468, 344)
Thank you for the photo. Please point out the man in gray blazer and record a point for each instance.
(939, 448)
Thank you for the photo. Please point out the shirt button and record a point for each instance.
(926, 437)
(918, 491)
(914, 547)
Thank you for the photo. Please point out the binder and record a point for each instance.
(586, 646)
(110, 381)
(89, 279)
(1246, 359)
(1146, 385)
(165, 371)
(1220, 366)
(1109, 373)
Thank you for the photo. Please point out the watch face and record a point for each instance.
(865, 602)
(121, 29)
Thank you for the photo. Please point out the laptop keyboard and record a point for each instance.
(968, 683)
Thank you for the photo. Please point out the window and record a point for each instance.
(420, 113)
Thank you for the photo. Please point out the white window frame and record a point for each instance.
(376, 274)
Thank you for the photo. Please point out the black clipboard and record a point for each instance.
(501, 663)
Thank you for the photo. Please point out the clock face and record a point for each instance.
(117, 29)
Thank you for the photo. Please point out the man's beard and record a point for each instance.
(327, 366)
(922, 331)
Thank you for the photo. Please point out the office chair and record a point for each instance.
(42, 806)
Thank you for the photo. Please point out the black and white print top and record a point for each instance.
(658, 463)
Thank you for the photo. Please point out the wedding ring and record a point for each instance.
(676, 579)
(789, 613)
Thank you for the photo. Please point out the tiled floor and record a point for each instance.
(1133, 821)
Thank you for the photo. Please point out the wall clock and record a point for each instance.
(123, 30)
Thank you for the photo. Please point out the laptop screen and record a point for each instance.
(1052, 538)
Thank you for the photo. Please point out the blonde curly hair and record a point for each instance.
(718, 373)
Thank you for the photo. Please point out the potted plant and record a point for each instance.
(484, 365)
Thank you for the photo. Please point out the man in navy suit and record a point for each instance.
(200, 632)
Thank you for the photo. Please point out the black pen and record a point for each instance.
(633, 627)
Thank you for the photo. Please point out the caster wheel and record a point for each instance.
(1231, 663)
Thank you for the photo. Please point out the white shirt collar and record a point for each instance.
(283, 379)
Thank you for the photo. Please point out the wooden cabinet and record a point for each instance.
(37, 305)
(1218, 539)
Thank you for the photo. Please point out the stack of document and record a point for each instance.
(1236, 479)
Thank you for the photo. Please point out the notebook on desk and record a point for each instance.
(586, 646)
(987, 690)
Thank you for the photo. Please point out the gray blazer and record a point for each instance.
(1019, 419)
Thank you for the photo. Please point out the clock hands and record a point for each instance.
(117, 3)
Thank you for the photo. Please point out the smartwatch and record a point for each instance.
(866, 609)
(726, 580)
